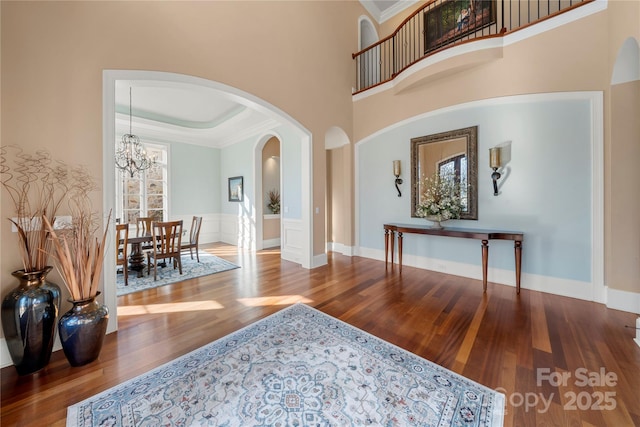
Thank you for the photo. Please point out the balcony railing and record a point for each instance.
(441, 24)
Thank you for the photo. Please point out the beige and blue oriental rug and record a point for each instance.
(297, 367)
(209, 264)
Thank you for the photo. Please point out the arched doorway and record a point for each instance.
(295, 133)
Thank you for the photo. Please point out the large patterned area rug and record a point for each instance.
(209, 264)
(297, 367)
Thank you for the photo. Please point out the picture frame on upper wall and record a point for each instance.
(449, 21)
(235, 189)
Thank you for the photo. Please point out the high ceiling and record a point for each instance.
(170, 112)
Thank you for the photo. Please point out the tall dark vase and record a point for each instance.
(82, 330)
(29, 315)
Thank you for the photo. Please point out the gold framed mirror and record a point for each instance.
(456, 152)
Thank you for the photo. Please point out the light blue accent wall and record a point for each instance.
(195, 179)
(237, 160)
(545, 190)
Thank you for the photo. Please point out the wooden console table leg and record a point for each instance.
(485, 263)
(392, 239)
(386, 247)
(400, 250)
(518, 253)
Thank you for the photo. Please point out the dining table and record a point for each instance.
(136, 257)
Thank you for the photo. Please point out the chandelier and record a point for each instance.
(130, 155)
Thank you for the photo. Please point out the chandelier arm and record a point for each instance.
(131, 157)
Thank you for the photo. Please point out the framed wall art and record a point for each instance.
(453, 20)
(235, 189)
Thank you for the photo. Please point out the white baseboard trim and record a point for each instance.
(551, 285)
(319, 260)
(340, 248)
(5, 357)
(270, 243)
(623, 300)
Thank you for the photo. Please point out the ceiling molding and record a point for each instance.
(383, 10)
(228, 133)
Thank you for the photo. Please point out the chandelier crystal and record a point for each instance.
(131, 156)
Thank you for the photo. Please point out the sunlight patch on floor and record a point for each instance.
(175, 307)
(274, 300)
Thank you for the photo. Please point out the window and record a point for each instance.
(144, 195)
(456, 167)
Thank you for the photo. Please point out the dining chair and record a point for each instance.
(194, 236)
(165, 244)
(122, 259)
(143, 226)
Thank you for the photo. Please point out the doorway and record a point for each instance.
(297, 136)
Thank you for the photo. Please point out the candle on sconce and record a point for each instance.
(396, 167)
(494, 157)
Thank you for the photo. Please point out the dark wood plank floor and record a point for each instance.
(499, 339)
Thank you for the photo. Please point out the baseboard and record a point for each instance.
(271, 243)
(5, 357)
(319, 260)
(623, 300)
(340, 248)
(551, 285)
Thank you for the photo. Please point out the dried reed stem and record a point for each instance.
(37, 186)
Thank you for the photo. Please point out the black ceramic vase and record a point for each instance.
(82, 330)
(29, 315)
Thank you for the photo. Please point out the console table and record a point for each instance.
(390, 231)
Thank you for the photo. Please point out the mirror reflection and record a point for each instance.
(452, 153)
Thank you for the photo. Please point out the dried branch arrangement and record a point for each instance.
(37, 186)
(77, 252)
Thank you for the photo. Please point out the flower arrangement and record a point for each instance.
(274, 201)
(37, 187)
(440, 198)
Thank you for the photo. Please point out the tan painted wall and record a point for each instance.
(295, 55)
(623, 195)
(622, 155)
(340, 196)
(535, 65)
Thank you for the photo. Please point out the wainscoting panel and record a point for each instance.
(209, 231)
(291, 240)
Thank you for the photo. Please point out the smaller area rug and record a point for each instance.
(297, 367)
(209, 264)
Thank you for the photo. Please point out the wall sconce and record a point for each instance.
(396, 172)
(495, 163)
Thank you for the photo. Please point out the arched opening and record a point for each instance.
(271, 193)
(268, 166)
(339, 200)
(369, 62)
(294, 133)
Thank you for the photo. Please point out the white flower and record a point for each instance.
(440, 198)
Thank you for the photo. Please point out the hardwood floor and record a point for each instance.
(518, 344)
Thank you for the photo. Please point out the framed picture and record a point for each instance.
(454, 19)
(235, 189)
